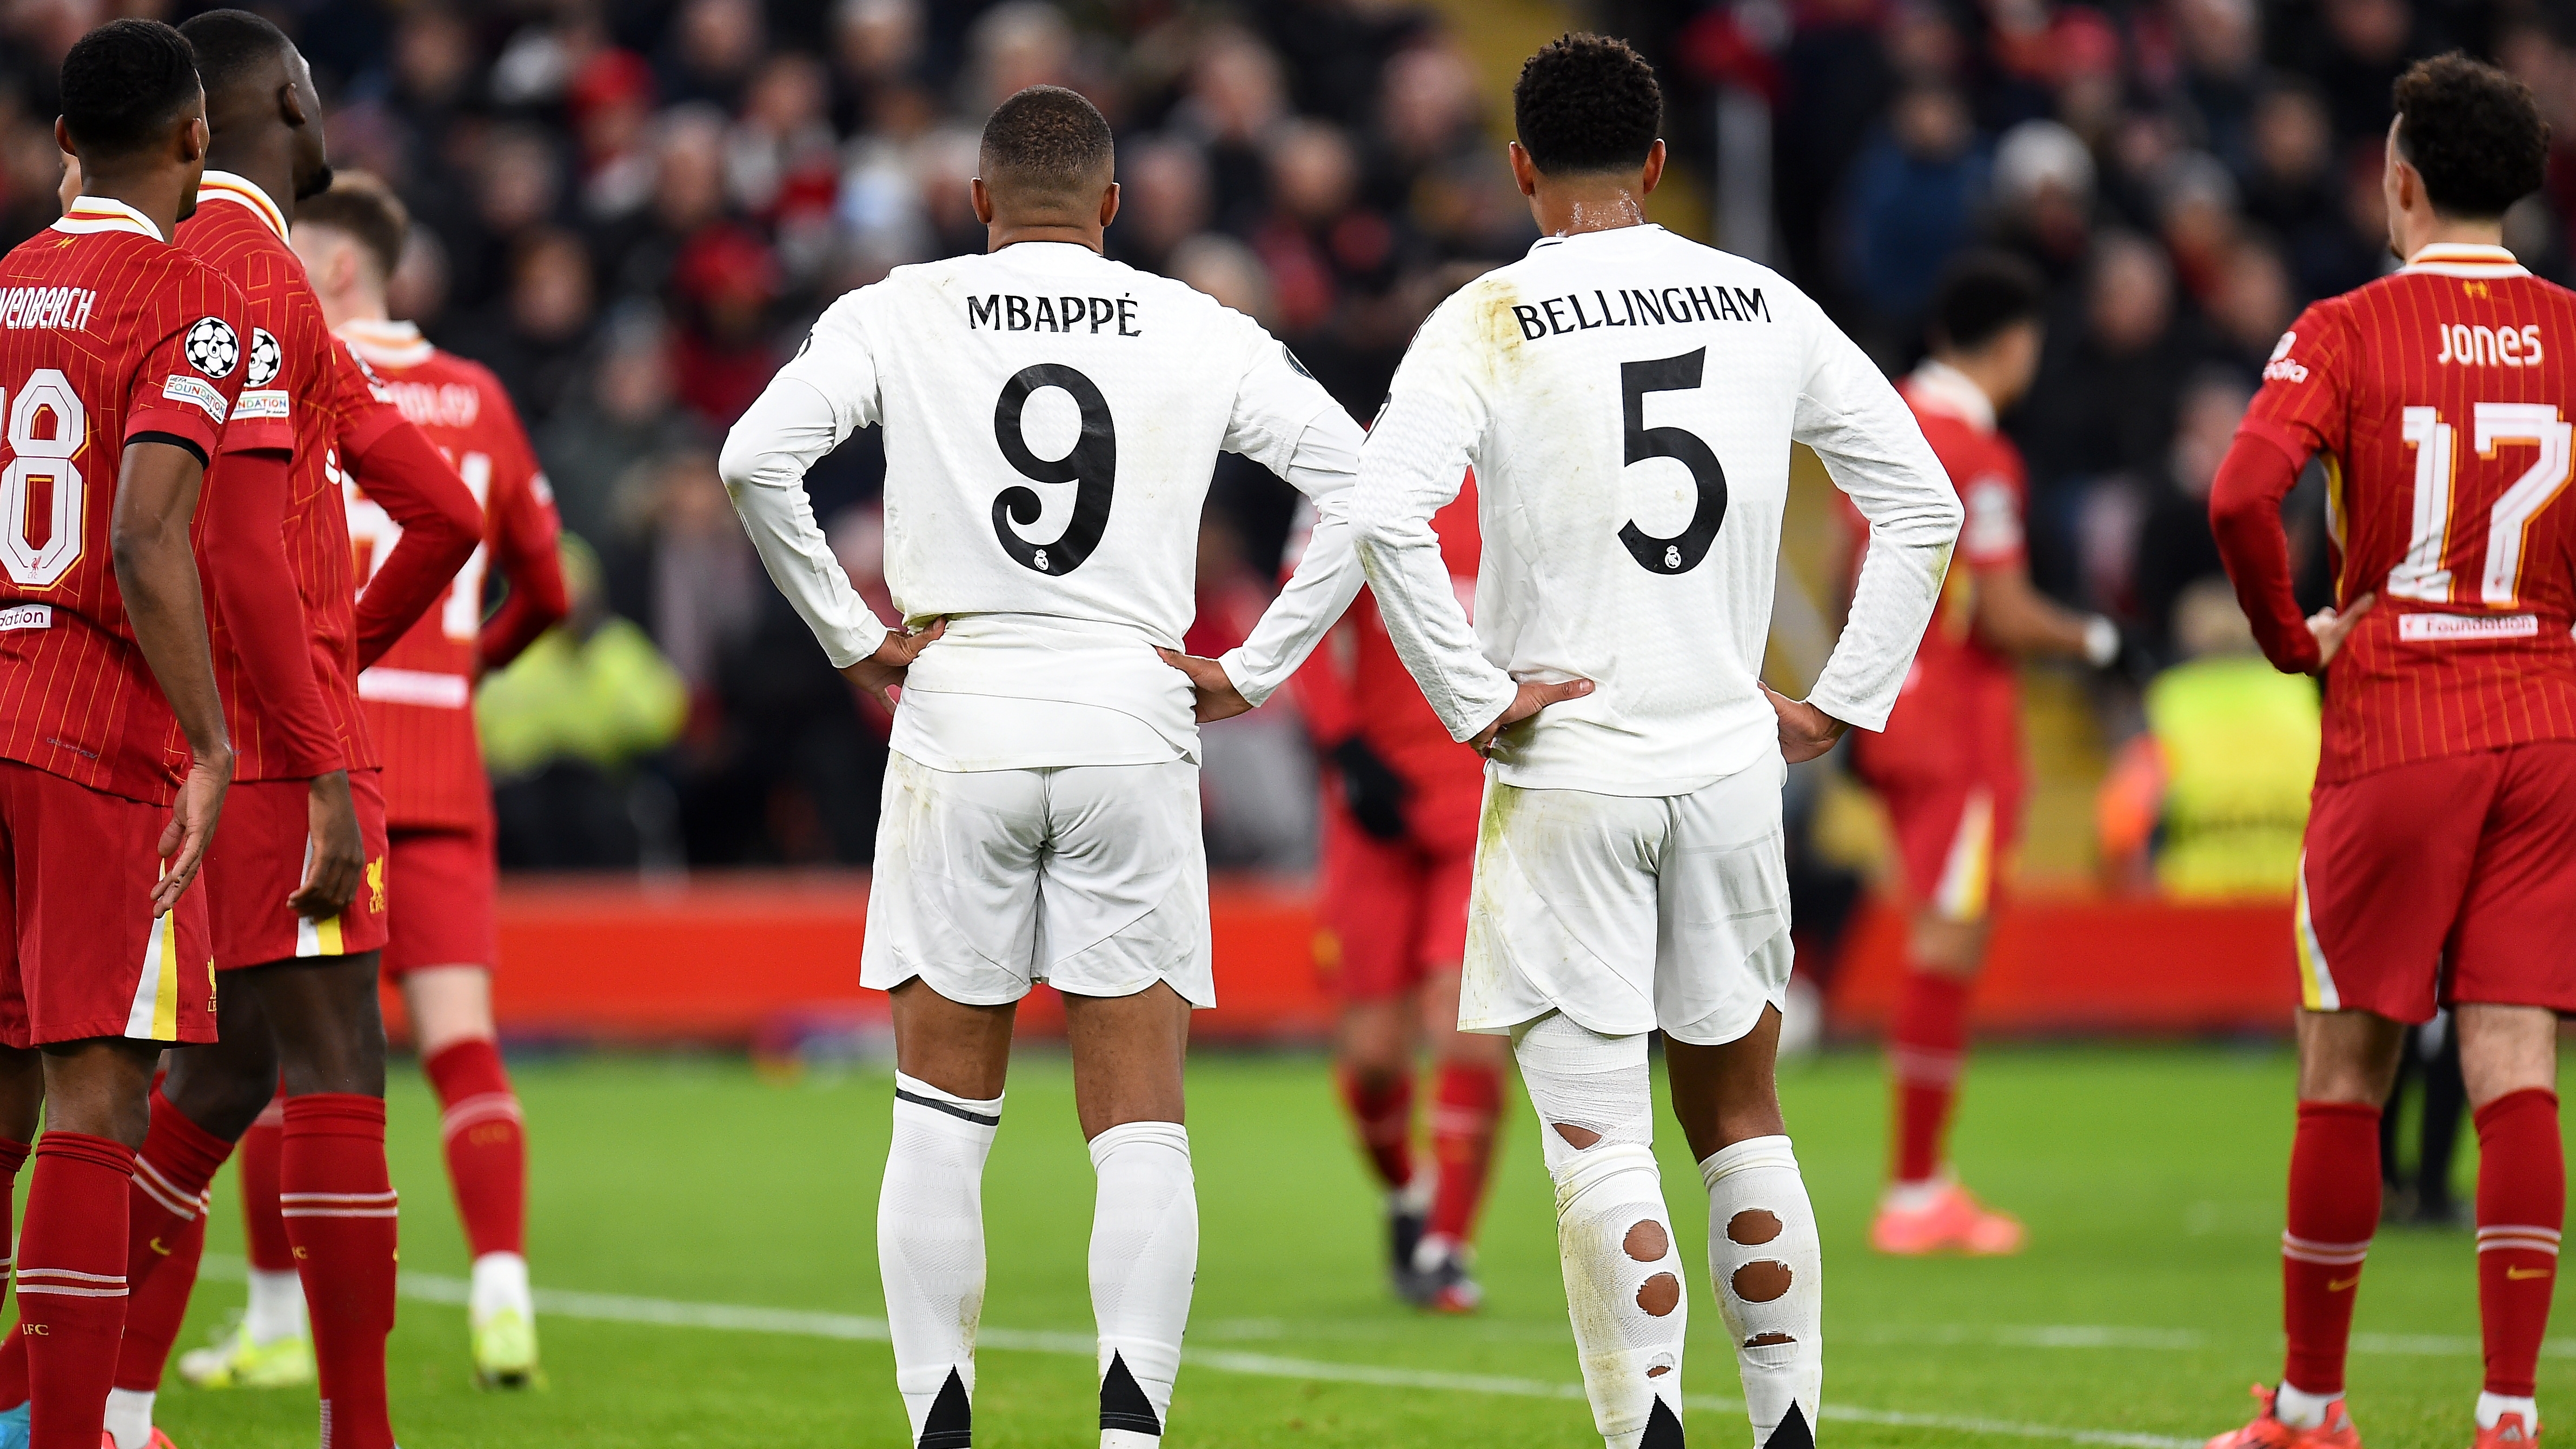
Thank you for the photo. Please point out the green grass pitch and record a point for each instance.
(2151, 1179)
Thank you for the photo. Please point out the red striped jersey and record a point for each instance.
(419, 698)
(2440, 398)
(304, 394)
(108, 334)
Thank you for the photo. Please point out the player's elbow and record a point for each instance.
(739, 462)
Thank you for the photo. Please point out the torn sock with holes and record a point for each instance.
(2333, 1210)
(1614, 1237)
(1144, 1261)
(1764, 1256)
(930, 1253)
(1466, 1105)
(2522, 1205)
(1381, 1111)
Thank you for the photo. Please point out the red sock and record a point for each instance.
(339, 1210)
(1466, 1103)
(487, 1147)
(2334, 1208)
(165, 1238)
(13, 1354)
(1383, 1113)
(265, 1231)
(2522, 1201)
(1924, 1050)
(71, 1284)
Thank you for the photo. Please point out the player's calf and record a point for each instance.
(1144, 1261)
(1623, 1280)
(1769, 1273)
(930, 1252)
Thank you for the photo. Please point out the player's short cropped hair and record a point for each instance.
(368, 210)
(2474, 132)
(124, 83)
(232, 46)
(1981, 294)
(1047, 140)
(1587, 103)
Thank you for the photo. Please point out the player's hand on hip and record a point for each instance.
(191, 827)
(1214, 695)
(1531, 699)
(880, 674)
(339, 852)
(1805, 731)
(2330, 629)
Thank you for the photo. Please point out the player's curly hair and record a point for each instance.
(2474, 132)
(1587, 103)
(1047, 137)
(124, 83)
(367, 210)
(1981, 293)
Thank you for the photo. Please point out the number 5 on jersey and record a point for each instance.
(1092, 466)
(1682, 552)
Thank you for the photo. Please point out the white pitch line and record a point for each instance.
(851, 1327)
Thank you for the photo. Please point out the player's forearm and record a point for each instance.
(2245, 518)
(156, 576)
(532, 562)
(1410, 469)
(441, 526)
(1913, 525)
(2018, 619)
(246, 565)
(1325, 468)
(763, 465)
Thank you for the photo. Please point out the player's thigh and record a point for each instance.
(1369, 914)
(443, 901)
(2515, 943)
(257, 860)
(1951, 832)
(328, 1021)
(88, 958)
(2383, 872)
(953, 899)
(1722, 946)
(1563, 914)
(1122, 889)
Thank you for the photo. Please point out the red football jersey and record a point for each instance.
(1961, 702)
(420, 697)
(305, 395)
(2439, 397)
(1355, 683)
(108, 333)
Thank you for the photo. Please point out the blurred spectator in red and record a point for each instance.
(724, 280)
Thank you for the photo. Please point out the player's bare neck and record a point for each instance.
(2417, 229)
(260, 160)
(1002, 234)
(1587, 204)
(160, 193)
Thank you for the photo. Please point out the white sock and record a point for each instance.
(1769, 1272)
(930, 1252)
(2300, 1409)
(500, 1283)
(1623, 1273)
(276, 1306)
(2491, 1407)
(1144, 1260)
(129, 1417)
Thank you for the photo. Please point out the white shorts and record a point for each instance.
(1631, 912)
(1092, 878)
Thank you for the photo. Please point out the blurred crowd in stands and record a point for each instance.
(632, 209)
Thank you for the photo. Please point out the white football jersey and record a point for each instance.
(1628, 399)
(1052, 419)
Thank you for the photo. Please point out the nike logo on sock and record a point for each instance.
(2337, 1285)
(2519, 1274)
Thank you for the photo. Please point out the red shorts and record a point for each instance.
(1952, 836)
(2442, 881)
(1392, 911)
(258, 861)
(81, 954)
(446, 889)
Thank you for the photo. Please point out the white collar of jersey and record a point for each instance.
(1048, 255)
(101, 213)
(240, 191)
(1943, 388)
(384, 343)
(2462, 259)
(1558, 241)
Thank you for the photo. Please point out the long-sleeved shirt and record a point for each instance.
(1051, 422)
(1628, 399)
